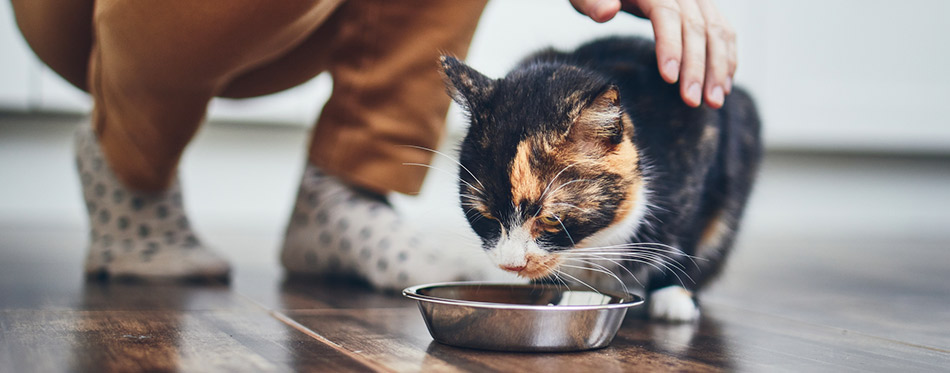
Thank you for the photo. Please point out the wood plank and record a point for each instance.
(271, 289)
(39, 269)
(726, 338)
(740, 339)
(860, 286)
(51, 319)
(398, 339)
(143, 340)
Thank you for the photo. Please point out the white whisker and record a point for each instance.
(471, 197)
(646, 246)
(578, 280)
(600, 269)
(556, 277)
(569, 183)
(452, 159)
(583, 210)
(565, 230)
(594, 270)
(642, 248)
(642, 254)
(616, 263)
(545, 191)
(588, 211)
(650, 261)
(447, 172)
(671, 270)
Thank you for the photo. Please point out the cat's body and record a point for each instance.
(589, 159)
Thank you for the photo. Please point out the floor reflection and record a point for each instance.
(127, 340)
(102, 295)
(304, 292)
(438, 354)
(135, 327)
(640, 344)
(701, 341)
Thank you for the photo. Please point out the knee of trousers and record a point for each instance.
(193, 42)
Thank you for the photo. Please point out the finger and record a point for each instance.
(694, 53)
(733, 58)
(717, 55)
(667, 28)
(597, 10)
(721, 29)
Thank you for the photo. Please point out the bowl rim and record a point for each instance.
(412, 292)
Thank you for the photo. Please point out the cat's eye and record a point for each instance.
(550, 221)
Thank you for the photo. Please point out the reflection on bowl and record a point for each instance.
(522, 317)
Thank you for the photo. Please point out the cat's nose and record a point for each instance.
(515, 269)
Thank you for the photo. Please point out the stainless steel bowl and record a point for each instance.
(528, 317)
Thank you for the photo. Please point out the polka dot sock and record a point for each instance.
(338, 230)
(134, 234)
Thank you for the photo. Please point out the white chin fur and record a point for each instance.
(674, 304)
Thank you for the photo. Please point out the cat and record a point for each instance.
(586, 164)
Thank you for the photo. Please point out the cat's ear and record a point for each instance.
(601, 120)
(467, 87)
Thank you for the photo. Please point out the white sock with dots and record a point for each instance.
(337, 230)
(134, 234)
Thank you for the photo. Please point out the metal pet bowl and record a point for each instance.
(529, 317)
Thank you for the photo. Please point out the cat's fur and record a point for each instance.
(575, 158)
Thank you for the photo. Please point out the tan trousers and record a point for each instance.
(153, 66)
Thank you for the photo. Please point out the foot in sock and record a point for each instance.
(138, 235)
(336, 229)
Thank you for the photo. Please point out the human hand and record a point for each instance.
(694, 43)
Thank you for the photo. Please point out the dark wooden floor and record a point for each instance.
(843, 266)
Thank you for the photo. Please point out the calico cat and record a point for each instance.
(586, 165)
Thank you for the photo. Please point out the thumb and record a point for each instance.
(597, 10)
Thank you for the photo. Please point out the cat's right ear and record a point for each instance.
(467, 87)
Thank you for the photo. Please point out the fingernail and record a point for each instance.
(671, 69)
(716, 96)
(694, 92)
(601, 9)
(728, 84)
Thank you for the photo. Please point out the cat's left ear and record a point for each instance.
(601, 120)
(467, 87)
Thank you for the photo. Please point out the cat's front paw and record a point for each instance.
(673, 304)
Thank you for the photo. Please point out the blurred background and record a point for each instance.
(852, 94)
(842, 75)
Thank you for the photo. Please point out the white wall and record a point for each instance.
(17, 67)
(864, 74)
(845, 74)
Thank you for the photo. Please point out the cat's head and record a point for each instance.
(548, 164)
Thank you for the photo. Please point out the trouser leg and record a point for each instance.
(156, 65)
(387, 92)
(60, 33)
(152, 67)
